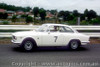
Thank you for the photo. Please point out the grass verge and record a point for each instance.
(8, 41)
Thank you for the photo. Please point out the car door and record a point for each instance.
(48, 39)
(53, 37)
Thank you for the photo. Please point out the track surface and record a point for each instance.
(86, 56)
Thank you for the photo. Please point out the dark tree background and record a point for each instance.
(14, 8)
(3, 15)
(35, 12)
(88, 15)
(42, 13)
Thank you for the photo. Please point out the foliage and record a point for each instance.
(84, 22)
(36, 11)
(13, 8)
(69, 17)
(42, 14)
(14, 17)
(3, 15)
(95, 21)
(29, 19)
(23, 16)
(64, 15)
(86, 13)
(90, 14)
(76, 13)
(53, 12)
(5, 22)
(71, 22)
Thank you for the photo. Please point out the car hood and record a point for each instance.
(24, 33)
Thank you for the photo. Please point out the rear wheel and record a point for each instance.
(74, 44)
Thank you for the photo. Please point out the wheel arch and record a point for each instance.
(31, 39)
(75, 40)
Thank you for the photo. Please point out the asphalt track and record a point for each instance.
(13, 56)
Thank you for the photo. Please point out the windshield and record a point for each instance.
(42, 28)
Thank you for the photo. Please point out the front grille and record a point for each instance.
(13, 37)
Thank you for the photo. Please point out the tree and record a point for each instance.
(70, 17)
(1, 15)
(53, 12)
(14, 17)
(92, 14)
(42, 14)
(64, 15)
(27, 8)
(61, 14)
(82, 16)
(5, 15)
(86, 13)
(23, 16)
(29, 19)
(35, 11)
(76, 13)
(14, 8)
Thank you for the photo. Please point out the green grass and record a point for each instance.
(12, 30)
(2, 38)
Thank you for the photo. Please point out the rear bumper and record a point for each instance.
(85, 43)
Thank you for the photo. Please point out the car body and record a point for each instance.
(50, 35)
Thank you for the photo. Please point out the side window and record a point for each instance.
(65, 29)
(54, 28)
(60, 29)
(69, 30)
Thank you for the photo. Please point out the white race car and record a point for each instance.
(50, 35)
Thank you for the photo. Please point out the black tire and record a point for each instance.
(74, 44)
(28, 45)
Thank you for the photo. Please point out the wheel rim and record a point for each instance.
(28, 45)
(74, 44)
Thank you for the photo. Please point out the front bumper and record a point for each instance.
(15, 42)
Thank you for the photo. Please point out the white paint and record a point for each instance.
(47, 38)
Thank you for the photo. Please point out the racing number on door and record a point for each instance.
(56, 37)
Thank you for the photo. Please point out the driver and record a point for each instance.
(56, 28)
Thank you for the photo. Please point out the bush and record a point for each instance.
(64, 23)
(84, 22)
(5, 22)
(14, 18)
(29, 19)
(23, 16)
(95, 21)
(3, 15)
(73, 22)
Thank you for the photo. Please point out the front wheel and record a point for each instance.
(74, 44)
(27, 45)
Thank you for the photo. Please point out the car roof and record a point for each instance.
(49, 24)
